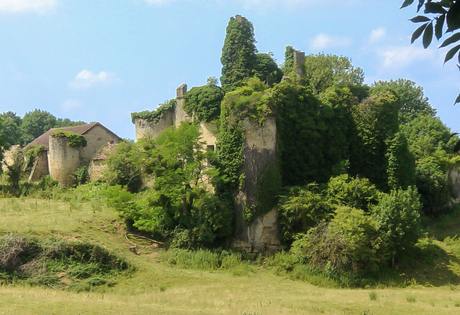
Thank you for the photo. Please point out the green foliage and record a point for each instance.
(446, 20)
(204, 102)
(267, 70)
(155, 115)
(180, 207)
(81, 174)
(323, 71)
(357, 193)
(376, 122)
(36, 123)
(304, 207)
(301, 209)
(401, 163)
(426, 135)
(303, 135)
(432, 185)
(252, 102)
(16, 169)
(398, 219)
(238, 53)
(75, 140)
(288, 66)
(46, 262)
(413, 100)
(31, 154)
(124, 166)
(10, 127)
(348, 243)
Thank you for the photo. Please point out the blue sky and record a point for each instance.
(100, 60)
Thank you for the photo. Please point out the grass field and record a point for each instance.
(157, 288)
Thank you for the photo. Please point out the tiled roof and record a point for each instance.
(105, 151)
(80, 130)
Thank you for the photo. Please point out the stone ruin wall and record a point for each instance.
(96, 138)
(63, 160)
(453, 179)
(259, 153)
(146, 128)
(40, 167)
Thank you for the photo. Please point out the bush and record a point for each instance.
(398, 218)
(348, 243)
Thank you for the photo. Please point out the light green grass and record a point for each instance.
(159, 288)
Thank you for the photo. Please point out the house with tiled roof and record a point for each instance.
(60, 160)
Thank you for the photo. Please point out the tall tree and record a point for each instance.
(238, 53)
(36, 123)
(413, 100)
(323, 71)
(376, 121)
(10, 127)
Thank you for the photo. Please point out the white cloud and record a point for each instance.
(86, 79)
(69, 105)
(401, 57)
(40, 6)
(324, 41)
(378, 35)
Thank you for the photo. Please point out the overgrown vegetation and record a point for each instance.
(57, 263)
(75, 140)
(155, 115)
(355, 171)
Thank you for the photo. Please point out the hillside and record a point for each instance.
(261, 287)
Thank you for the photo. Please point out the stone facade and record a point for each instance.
(60, 160)
(259, 156)
(63, 160)
(170, 118)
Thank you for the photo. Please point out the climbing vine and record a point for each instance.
(155, 115)
(75, 140)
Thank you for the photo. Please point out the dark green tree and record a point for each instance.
(401, 163)
(413, 101)
(36, 123)
(267, 70)
(323, 71)
(10, 127)
(302, 131)
(203, 102)
(376, 122)
(238, 53)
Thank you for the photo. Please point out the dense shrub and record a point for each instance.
(203, 102)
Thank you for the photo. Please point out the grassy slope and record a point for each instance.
(158, 289)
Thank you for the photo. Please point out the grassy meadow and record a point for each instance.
(153, 287)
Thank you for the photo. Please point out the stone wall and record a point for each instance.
(259, 156)
(299, 62)
(40, 167)
(8, 156)
(146, 128)
(96, 137)
(63, 160)
(453, 179)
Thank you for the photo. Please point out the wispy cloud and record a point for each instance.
(40, 6)
(377, 35)
(401, 57)
(70, 105)
(86, 79)
(324, 41)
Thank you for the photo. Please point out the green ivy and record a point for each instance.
(155, 115)
(203, 102)
(75, 140)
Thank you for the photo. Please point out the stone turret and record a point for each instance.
(299, 61)
(63, 160)
(259, 159)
